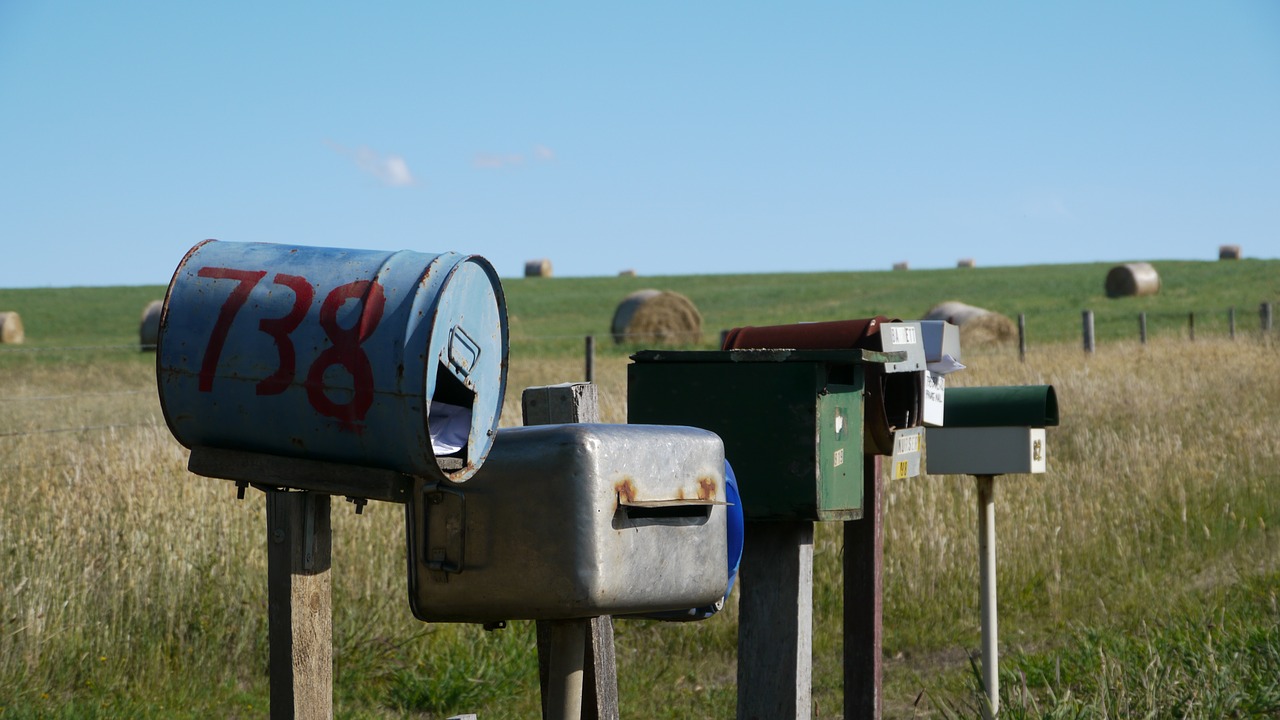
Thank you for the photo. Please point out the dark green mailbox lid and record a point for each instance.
(1005, 406)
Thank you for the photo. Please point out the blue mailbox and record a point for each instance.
(392, 360)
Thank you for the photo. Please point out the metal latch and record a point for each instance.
(444, 521)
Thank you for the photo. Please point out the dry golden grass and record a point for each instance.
(124, 573)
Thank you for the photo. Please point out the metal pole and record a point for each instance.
(1142, 327)
(1088, 330)
(591, 358)
(564, 680)
(1022, 337)
(987, 560)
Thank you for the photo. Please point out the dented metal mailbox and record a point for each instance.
(796, 421)
(391, 360)
(573, 521)
(942, 356)
(992, 431)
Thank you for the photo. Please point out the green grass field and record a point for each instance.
(1137, 578)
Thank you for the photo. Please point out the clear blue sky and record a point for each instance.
(667, 137)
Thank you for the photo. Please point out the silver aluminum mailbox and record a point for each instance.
(573, 521)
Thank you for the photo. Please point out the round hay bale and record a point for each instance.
(11, 332)
(978, 326)
(627, 273)
(537, 268)
(966, 263)
(1132, 279)
(657, 316)
(904, 265)
(149, 327)
(1228, 252)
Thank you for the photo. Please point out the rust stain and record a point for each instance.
(706, 488)
(626, 490)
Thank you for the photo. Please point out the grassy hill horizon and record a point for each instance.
(551, 315)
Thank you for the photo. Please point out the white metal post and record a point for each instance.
(564, 681)
(987, 555)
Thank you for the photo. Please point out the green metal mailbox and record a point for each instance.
(993, 431)
(793, 421)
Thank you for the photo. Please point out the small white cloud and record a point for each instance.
(390, 170)
(1047, 207)
(490, 160)
(544, 153)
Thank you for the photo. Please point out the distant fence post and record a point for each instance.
(1191, 325)
(591, 358)
(1087, 317)
(1264, 313)
(1231, 322)
(1142, 327)
(1022, 337)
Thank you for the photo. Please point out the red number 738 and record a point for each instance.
(346, 350)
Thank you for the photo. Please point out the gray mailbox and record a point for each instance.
(993, 431)
(573, 521)
(942, 356)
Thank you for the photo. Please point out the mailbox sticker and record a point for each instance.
(1037, 451)
(838, 460)
(902, 334)
(900, 470)
(907, 443)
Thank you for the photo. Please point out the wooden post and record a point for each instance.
(300, 611)
(1264, 314)
(775, 622)
(598, 683)
(1088, 330)
(1231, 322)
(1191, 325)
(1142, 327)
(591, 358)
(1022, 337)
(863, 599)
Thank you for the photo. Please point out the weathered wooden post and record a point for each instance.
(591, 358)
(1264, 314)
(1191, 326)
(1231, 322)
(1142, 328)
(595, 690)
(863, 568)
(1087, 317)
(300, 609)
